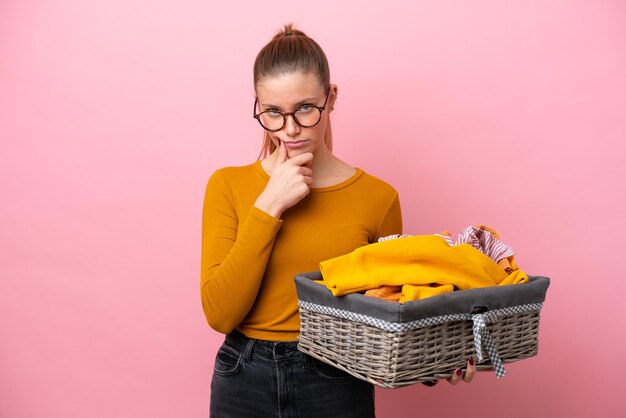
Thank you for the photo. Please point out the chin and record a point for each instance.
(293, 152)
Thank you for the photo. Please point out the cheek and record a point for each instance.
(320, 129)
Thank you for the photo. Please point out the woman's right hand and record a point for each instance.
(290, 181)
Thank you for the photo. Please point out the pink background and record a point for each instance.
(113, 114)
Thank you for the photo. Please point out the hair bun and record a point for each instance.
(289, 30)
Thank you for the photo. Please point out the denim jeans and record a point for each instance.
(258, 378)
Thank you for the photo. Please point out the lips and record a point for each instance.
(294, 144)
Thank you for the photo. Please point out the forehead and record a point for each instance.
(288, 88)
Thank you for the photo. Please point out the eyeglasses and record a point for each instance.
(306, 116)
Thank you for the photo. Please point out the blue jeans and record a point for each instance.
(258, 378)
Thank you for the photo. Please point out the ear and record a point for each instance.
(332, 98)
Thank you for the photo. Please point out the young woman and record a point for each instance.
(268, 221)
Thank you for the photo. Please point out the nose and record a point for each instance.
(291, 127)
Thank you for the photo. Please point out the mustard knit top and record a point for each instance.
(249, 258)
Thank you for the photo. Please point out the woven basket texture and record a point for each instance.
(396, 359)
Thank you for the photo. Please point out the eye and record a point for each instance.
(305, 108)
(272, 113)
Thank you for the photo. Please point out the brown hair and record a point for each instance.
(291, 50)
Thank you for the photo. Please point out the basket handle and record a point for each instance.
(481, 333)
(479, 309)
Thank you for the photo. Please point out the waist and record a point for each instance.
(264, 348)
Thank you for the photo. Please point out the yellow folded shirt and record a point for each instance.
(415, 260)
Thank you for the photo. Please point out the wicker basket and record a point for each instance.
(393, 345)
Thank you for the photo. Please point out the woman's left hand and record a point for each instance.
(458, 375)
(467, 376)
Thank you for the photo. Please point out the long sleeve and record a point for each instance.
(234, 256)
(392, 222)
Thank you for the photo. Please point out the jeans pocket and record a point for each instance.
(227, 361)
(330, 373)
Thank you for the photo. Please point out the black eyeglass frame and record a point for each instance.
(321, 108)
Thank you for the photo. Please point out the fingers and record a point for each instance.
(456, 377)
(302, 159)
(282, 153)
(290, 181)
(305, 171)
(307, 175)
(470, 372)
(466, 377)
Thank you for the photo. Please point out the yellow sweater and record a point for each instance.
(249, 258)
(415, 260)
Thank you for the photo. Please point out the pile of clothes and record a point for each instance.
(401, 268)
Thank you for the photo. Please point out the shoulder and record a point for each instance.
(377, 185)
(233, 177)
(370, 191)
(234, 173)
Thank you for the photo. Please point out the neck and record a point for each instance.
(322, 161)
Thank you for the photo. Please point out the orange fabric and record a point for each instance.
(389, 293)
(486, 228)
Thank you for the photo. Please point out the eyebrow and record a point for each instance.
(297, 104)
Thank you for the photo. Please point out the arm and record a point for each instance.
(235, 251)
(392, 221)
(234, 256)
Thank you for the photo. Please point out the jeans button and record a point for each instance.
(280, 350)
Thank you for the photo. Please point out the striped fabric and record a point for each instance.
(394, 236)
(480, 238)
(484, 241)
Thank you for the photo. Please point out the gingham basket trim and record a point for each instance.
(489, 316)
(479, 325)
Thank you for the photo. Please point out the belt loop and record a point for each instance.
(247, 353)
(306, 360)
